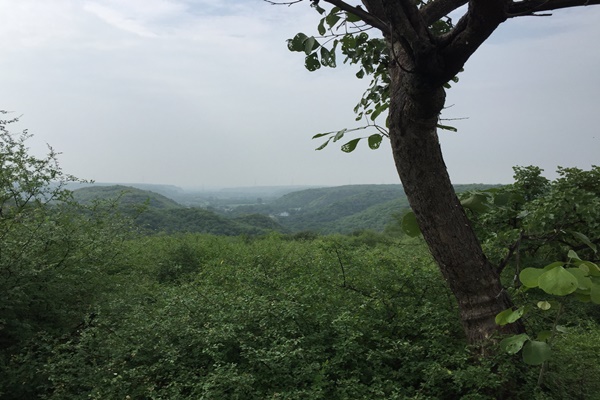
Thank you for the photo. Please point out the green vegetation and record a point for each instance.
(154, 213)
(92, 309)
(211, 317)
(340, 209)
(56, 262)
(127, 196)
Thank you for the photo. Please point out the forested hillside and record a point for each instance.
(340, 209)
(154, 213)
(125, 197)
(328, 210)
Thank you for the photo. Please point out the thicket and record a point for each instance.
(56, 259)
(336, 317)
(214, 317)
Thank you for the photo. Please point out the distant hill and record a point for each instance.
(126, 195)
(200, 197)
(170, 191)
(341, 209)
(153, 212)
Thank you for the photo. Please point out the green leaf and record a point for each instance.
(590, 268)
(513, 344)
(297, 43)
(529, 277)
(321, 147)
(327, 58)
(360, 74)
(585, 240)
(501, 318)
(509, 316)
(536, 352)
(375, 141)
(573, 255)
(312, 62)
(410, 226)
(476, 202)
(557, 281)
(318, 135)
(583, 282)
(332, 19)
(316, 6)
(378, 110)
(350, 146)
(553, 265)
(544, 305)
(321, 27)
(544, 335)
(447, 128)
(352, 18)
(561, 329)
(310, 44)
(339, 134)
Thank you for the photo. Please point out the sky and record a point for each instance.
(204, 93)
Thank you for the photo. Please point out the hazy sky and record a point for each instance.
(205, 93)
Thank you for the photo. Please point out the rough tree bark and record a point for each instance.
(473, 280)
(421, 64)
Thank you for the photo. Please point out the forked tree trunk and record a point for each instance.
(414, 110)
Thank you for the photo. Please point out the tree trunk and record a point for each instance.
(415, 106)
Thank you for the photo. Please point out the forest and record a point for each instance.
(96, 305)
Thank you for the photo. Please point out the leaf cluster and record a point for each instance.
(535, 219)
(343, 32)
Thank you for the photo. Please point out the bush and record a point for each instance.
(56, 260)
(273, 318)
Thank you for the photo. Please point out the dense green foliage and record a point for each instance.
(544, 236)
(211, 317)
(338, 317)
(55, 259)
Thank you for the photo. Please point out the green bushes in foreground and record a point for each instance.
(273, 318)
(56, 263)
(206, 317)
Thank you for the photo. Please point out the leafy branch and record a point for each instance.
(576, 277)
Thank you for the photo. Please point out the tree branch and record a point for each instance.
(481, 19)
(370, 19)
(282, 3)
(436, 9)
(529, 7)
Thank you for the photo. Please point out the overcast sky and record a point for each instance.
(205, 93)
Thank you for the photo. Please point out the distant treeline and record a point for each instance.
(343, 209)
